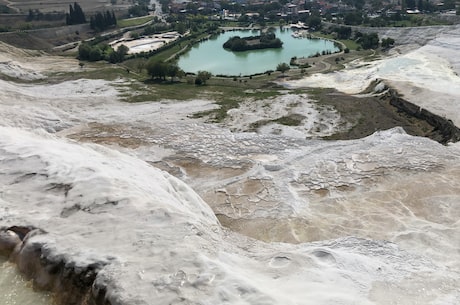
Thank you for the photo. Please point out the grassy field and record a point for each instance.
(47, 6)
(123, 23)
(350, 44)
(137, 87)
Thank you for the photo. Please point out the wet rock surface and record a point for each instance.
(346, 222)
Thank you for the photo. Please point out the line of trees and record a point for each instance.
(138, 10)
(75, 15)
(367, 41)
(102, 21)
(158, 69)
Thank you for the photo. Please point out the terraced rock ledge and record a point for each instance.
(445, 129)
(70, 283)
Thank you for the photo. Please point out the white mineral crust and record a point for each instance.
(370, 221)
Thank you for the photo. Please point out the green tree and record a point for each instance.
(387, 42)
(369, 41)
(138, 10)
(122, 51)
(102, 21)
(283, 67)
(314, 22)
(449, 4)
(140, 64)
(181, 28)
(282, 22)
(75, 15)
(410, 4)
(353, 18)
(119, 54)
(156, 69)
(95, 54)
(172, 70)
(343, 32)
(202, 77)
(84, 50)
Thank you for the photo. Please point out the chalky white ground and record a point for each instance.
(369, 221)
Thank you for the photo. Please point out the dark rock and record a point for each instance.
(445, 128)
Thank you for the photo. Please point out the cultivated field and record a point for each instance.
(46, 6)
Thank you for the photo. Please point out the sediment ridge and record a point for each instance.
(444, 129)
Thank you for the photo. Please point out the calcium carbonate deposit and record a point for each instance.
(140, 192)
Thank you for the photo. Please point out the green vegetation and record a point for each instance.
(290, 120)
(158, 69)
(75, 15)
(140, 8)
(37, 15)
(229, 96)
(103, 21)
(123, 23)
(202, 77)
(4, 9)
(293, 119)
(264, 41)
(90, 52)
(368, 41)
(156, 76)
(387, 42)
(283, 67)
(350, 44)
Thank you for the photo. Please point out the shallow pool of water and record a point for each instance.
(210, 55)
(15, 290)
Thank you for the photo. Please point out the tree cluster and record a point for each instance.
(314, 22)
(353, 18)
(283, 67)
(159, 69)
(387, 42)
(4, 9)
(102, 21)
(422, 5)
(264, 41)
(138, 10)
(202, 77)
(367, 41)
(343, 32)
(75, 15)
(164, 6)
(156, 28)
(119, 54)
(90, 52)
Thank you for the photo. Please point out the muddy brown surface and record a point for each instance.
(369, 114)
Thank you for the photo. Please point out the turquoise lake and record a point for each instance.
(210, 56)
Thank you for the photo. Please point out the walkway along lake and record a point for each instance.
(210, 56)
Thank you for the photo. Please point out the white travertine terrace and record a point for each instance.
(368, 221)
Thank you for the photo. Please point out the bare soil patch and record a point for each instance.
(369, 114)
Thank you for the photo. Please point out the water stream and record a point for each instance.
(15, 290)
